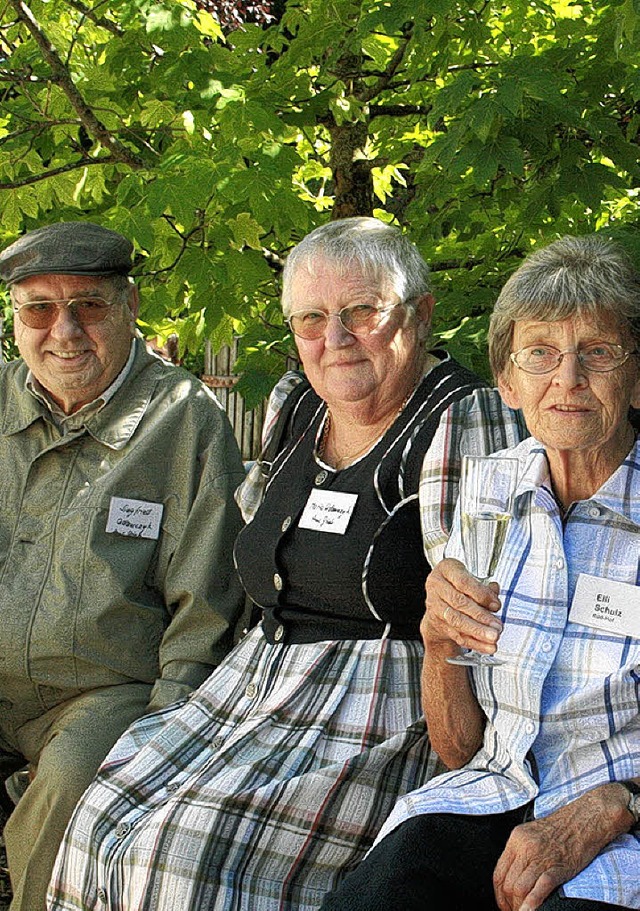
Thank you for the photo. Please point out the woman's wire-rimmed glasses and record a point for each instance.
(601, 357)
(358, 319)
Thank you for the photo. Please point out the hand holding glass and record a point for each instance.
(487, 490)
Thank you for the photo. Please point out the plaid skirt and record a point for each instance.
(259, 792)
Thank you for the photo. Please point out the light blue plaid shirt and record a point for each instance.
(563, 714)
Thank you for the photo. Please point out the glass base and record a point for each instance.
(476, 659)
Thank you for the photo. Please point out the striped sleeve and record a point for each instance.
(249, 493)
(477, 425)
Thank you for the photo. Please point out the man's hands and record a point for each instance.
(543, 854)
(460, 610)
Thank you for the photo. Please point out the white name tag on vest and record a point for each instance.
(328, 510)
(605, 604)
(134, 518)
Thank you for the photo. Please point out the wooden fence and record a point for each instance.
(220, 378)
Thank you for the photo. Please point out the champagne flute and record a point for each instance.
(487, 491)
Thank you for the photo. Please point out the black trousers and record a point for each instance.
(439, 862)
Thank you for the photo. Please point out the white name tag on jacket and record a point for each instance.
(135, 518)
(328, 510)
(605, 604)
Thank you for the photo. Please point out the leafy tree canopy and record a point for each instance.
(483, 129)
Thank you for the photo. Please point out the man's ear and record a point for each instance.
(507, 388)
(635, 394)
(134, 301)
(424, 311)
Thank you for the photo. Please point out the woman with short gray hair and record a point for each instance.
(542, 808)
(574, 276)
(275, 778)
(366, 245)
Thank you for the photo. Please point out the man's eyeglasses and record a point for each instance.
(85, 310)
(358, 319)
(601, 357)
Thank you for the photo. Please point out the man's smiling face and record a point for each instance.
(74, 363)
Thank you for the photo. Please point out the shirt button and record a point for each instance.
(277, 582)
(251, 691)
(122, 829)
(546, 646)
(279, 633)
(321, 477)
(218, 742)
(286, 523)
(173, 786)
(529, 727)
(594, 512)
(559, 564)
(102, 895)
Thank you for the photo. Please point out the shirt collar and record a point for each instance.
(112, 424)
(618, 493)
(78, 418)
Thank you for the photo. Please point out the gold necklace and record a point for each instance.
(347, 457)
(350, 457)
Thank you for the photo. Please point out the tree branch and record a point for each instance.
(17, 78)
(381, 84)
(54, 172)
(98, 20)
(62, 77)
(400, 84)
(184, 241)
(35, 129)
(400, 110)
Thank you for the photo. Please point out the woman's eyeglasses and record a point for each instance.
(358, 319)
(85, 310)
(600, 357)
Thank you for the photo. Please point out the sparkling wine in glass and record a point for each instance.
(487, 490)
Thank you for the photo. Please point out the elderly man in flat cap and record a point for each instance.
(117, 521)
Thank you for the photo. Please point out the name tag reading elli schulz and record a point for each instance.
(605, 604)
(134, 518)
(328, 511)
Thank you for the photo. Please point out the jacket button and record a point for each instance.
(122, 829)
(321, 477)
(286, 523)
(279, 633)
(277, 582)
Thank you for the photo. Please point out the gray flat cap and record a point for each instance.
(67, 248)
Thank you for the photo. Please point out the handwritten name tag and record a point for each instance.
(604, 604)
(135, 518)
(328, 510)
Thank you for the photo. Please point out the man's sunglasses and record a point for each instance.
(85, 311)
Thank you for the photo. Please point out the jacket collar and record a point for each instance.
(113, 425)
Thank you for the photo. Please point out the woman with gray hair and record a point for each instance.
(543, 808)
(278, 773)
